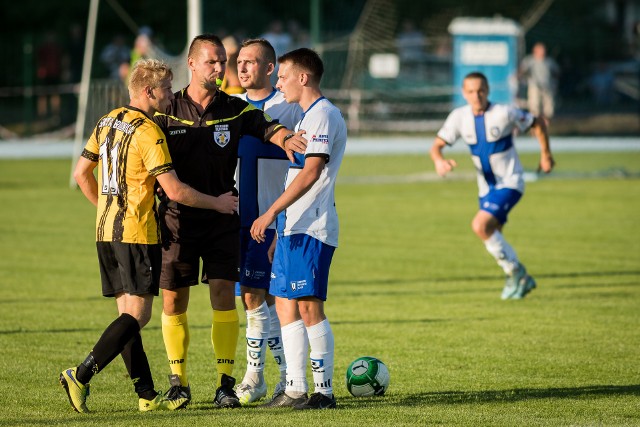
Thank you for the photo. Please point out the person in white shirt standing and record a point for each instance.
(542, 73)
(488, 130)
(307, 234)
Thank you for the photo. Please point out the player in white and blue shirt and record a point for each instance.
(260, 179)
(312, 221)
(314, 213)
(307, 229)
(488, 129)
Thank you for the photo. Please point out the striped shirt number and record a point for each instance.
(109, 168)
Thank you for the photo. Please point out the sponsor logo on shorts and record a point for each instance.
(490, 206)
(177, 132)
(298, 285)
(255, 274)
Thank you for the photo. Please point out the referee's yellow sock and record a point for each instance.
(175, 332)
(224, 337)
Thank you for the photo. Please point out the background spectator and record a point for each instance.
(280, 40)
(49, 55)
(542, 75)
(231, 83)
(114, 54)
(75, 54)
(410, 42)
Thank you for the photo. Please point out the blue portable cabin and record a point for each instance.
(491, 46)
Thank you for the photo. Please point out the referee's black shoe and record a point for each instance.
(225, 395)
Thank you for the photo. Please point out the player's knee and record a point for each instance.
(222, 294)
(477, 226)
(312, 312)
(481, 228)
(174, 303)
(270, 299)
(141, 314)
(144, 319)
(252, 300)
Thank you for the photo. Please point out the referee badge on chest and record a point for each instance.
(221, 135)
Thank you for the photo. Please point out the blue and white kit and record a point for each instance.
(490, 139)
(262, 166)
(308, 229)
(314, 214)
(260, 181)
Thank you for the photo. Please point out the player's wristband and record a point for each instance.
(287, 137)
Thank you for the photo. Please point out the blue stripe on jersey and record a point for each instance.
(250, 151)
(310, 107)
(299, 161)
(281, 220)
(483, 149)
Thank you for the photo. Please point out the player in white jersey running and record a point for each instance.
(307, 228)
(260, 180)
(488, 130)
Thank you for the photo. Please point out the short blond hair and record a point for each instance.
(148, 72)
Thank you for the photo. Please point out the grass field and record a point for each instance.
(410, 284)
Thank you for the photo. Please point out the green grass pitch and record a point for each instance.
(410, 284)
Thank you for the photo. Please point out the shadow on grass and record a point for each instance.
(20, 331)
(49, 300)
(195, 412)
(382, 321)
(133, 417)
(480, 278)
(494, 396)
(516, 395)
(97, 330)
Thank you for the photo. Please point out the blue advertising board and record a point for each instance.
(490, 46)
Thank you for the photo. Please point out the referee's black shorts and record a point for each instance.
(132, 268)
(187, 240)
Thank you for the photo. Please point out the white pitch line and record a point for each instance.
(49, 148)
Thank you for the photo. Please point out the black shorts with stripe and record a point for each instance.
(215, 240)
(130, 268)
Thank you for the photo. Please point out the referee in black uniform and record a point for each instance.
(203, 126)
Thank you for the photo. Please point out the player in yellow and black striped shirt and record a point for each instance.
(130, 152)
(127, 170)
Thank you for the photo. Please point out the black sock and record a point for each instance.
(135, 359)
(110, 344)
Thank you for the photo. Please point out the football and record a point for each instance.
(367, 376)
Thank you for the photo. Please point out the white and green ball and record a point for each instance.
(367, 376)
